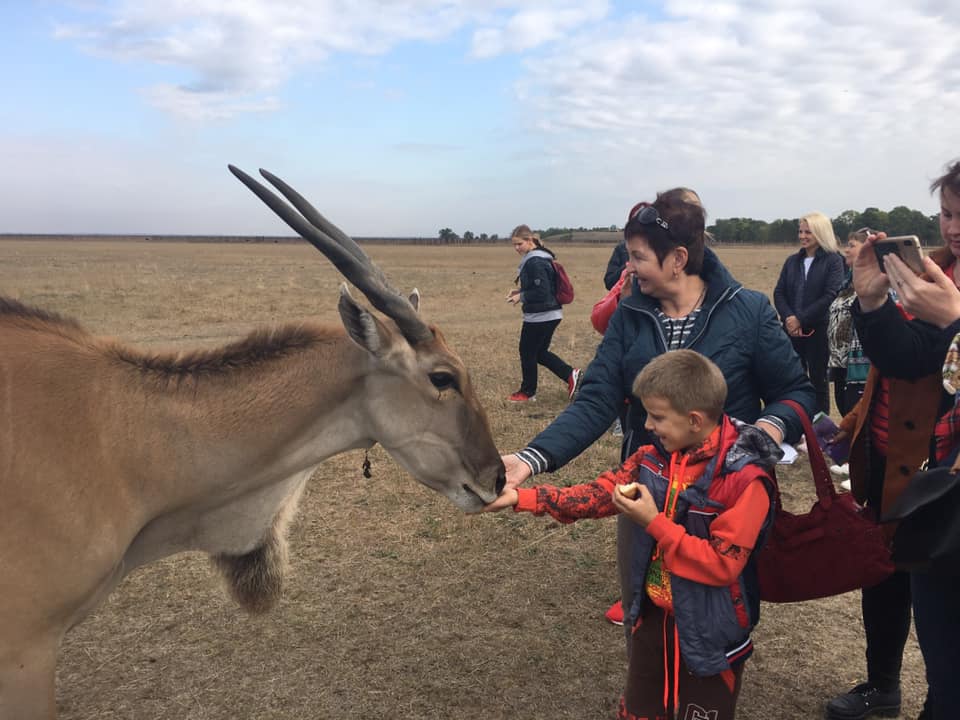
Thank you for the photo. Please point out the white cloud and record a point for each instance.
(233, 55)
(769, 107)
(798, 93)
(209, 105)
(535, 26)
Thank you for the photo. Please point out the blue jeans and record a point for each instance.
(936, 615)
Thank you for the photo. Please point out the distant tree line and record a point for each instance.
(899, 221)
(447, 235)
(552, 231)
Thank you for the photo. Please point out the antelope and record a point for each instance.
(112, 457)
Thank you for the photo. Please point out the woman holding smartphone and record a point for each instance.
(914, 403)
(808, 283)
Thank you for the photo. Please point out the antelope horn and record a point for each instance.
(352, 262)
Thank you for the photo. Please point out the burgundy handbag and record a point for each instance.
(836, 547)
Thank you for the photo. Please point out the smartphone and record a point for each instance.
(905, 247)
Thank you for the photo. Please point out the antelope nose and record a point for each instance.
(501, 479)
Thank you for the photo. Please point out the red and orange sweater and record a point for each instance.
(717, 560)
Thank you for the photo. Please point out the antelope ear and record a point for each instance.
(414, 299)
(362, 326)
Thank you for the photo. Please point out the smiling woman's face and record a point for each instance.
(652, 278)
(807, 241)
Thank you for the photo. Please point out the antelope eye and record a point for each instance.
(442, 380)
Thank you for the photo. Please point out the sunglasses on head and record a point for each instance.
(864, 231)
(647, 215)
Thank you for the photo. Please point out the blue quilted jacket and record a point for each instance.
(737, 329)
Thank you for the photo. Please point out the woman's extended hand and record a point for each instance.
(513, 297)
(869, 281)
(936, 301)
(517, 470)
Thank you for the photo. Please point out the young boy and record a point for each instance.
(703, 494)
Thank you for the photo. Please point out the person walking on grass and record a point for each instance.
(700, 497)
(537, 295)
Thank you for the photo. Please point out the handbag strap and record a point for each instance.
(826, 492)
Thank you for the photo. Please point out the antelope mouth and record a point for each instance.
(470, 491)
(479, 489)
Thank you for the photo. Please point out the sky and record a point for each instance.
(401, 117)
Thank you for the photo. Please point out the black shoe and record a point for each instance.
(862, 702)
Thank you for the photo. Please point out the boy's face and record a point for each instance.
(675, 430)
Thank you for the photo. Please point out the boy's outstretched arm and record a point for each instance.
(508, 498)
(567, 504)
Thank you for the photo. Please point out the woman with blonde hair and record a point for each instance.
(537, 295)
(808, 283)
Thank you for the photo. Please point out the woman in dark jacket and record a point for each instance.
(615, 265)
(913, 351)
(537, 295)
(683, 298)
(808, 283)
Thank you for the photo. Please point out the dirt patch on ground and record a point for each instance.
(397, 605)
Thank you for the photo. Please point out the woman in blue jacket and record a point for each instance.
(808, 283)
(537, 295)
(683, 298)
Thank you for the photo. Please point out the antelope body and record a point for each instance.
(111, 458)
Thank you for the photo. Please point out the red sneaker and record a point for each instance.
(519, 397)
(615, 613)
(572, 382)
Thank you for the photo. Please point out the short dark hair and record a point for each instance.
(686, 221)
(687, 380)
(950, 180)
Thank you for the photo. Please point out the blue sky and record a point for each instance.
(403, 117)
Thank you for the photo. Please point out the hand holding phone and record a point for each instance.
(905, 247)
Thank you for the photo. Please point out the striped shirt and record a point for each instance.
(677, 330)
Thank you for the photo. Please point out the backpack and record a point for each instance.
(564, 293)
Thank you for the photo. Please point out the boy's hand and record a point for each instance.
(642, 510)
(508, 498)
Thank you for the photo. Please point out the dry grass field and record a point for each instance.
(398, 606)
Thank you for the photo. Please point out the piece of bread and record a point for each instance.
(630, 490)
